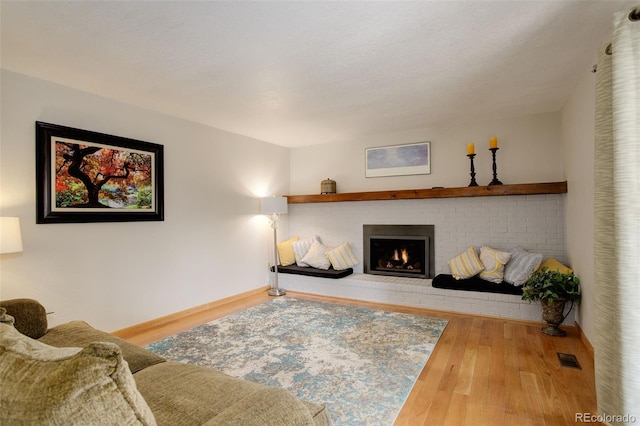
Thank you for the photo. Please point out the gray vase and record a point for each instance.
(553, 315)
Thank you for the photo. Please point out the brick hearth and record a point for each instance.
(416, 292)
(535, 222)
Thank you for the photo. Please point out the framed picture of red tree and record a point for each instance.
(85, 176)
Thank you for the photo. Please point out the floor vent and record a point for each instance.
(568, 360)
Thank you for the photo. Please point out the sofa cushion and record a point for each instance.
(201, 395)
(79, 333)
(46, 385)
(30, 316)
(6, 318)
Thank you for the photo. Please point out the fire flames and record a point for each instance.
(403, 255)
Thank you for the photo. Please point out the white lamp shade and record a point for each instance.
(273, 205)
(10, 237)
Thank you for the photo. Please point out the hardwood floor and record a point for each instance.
(483, 371)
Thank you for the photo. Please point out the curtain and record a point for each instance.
(617, 224)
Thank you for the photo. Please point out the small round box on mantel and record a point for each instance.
(328, 186)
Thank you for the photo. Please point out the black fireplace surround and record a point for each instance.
(399, 250)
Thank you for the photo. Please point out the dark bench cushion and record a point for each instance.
(314, 272)
(447, 281)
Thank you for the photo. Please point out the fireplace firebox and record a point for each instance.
(399, 250)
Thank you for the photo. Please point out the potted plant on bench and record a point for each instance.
(553, 289)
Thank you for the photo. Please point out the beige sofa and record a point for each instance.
(161, 392)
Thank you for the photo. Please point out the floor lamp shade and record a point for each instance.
(10, 236)
(273, 205)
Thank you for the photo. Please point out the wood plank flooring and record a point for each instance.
(483, 371)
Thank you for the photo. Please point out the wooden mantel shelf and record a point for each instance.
(407, 194)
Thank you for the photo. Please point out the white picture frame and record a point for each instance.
(398, 160)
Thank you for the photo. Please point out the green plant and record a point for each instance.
(550, 286)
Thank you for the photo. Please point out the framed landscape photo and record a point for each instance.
(84, 176)
(398, 160)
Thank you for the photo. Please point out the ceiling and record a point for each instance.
(299, 73)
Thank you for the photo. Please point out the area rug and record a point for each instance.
(360, 363)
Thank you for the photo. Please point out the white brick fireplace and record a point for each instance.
(535, 222)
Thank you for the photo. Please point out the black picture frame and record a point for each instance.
(84, 176)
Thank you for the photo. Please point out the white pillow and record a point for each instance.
(317, 256)
(342, 257)
(521, 266)
(301, 248)
(493, 261)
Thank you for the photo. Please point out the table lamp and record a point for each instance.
(10, 236)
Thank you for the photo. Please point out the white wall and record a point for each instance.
(119, 274)
(578, 130)
(211, 245)
(529, 152)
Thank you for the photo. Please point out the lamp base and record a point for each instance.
(277, 292)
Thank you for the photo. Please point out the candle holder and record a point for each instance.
(473, 171)
(495, 180)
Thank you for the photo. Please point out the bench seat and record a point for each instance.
(446, 281)
(313, 272)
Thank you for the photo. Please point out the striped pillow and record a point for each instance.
(521, 266)
(493, 261)
(317, 256)
(300, 248)
(342, 257)
(466, 264)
